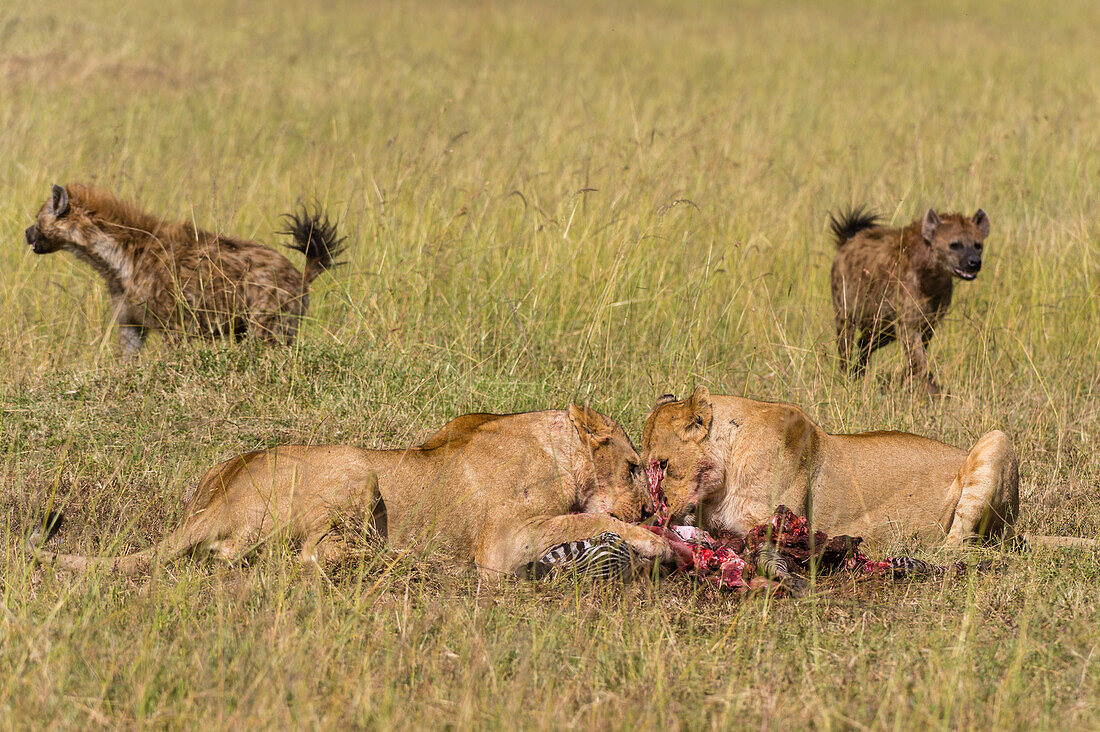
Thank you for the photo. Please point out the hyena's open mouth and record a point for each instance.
(38, 243)
(963, 274)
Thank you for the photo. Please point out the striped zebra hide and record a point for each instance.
(604, 557)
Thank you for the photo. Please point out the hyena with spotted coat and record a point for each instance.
(897, 283)
(179, 279)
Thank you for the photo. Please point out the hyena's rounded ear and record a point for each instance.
(59, 200)
(929, 225)
(981, 220)
(700, 414)
(665, 399)
(590, 424)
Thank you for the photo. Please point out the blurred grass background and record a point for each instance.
(547, 202)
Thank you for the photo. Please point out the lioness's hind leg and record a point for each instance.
(989, 497)
(235, 548)
(327, 540)
(321, 551)
(227, 550)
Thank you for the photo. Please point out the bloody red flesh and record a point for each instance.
(731, 561)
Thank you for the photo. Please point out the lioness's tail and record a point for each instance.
(1061, 541)
(314, 236)
(176, 544)
(850, 223)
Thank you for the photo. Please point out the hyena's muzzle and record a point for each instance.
(39, 243)
(968, 260)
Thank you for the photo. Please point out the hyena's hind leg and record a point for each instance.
(988, 486)
(279, 327)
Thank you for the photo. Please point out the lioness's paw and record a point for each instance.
(655, 547)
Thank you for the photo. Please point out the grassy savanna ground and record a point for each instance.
(551, 202)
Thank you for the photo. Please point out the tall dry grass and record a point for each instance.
(548, 203)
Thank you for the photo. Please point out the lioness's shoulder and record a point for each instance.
(459, 430)
(765, 422)
(774, 413)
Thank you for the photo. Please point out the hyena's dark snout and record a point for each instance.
(967, 265)
(38, 243)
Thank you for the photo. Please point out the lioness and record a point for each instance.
(729, 461)
(496, 491)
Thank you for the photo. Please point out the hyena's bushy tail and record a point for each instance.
(850, 223)
(174, 545)
(314, 236)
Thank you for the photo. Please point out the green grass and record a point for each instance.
(548, 202)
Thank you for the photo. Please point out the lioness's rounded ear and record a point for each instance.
(665, 399)
(929, 225)
(59, 200)
(589, 423)
(981, 220)
(700, 414)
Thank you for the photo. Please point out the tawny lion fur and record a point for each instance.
(494, 491)
(729, 461)
(897, 283)
(175, 278)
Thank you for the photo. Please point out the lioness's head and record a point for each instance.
(956, 241)
(619, 486)
(676, 436)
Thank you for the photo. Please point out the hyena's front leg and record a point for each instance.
(845, 334)
(916, 356)
(529, 542)
(926, 336)
(131, 333)
(988, 485)
(878, 335)
(131, 338)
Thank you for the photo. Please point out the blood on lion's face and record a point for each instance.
(675, 437)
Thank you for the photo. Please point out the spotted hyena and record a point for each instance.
(178, 279)
(897, 283)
